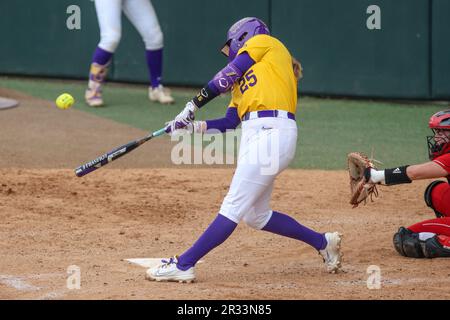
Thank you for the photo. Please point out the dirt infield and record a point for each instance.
(39, 135)
(51, 220)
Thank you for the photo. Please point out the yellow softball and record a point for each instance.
(65, 101)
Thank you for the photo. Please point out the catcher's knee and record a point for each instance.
(428, 199)
(408, 244)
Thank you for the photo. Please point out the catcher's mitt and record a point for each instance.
(360, 189)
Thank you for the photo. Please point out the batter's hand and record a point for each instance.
(184, 117)
(190, 128)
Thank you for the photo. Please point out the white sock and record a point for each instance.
(377, 176)
(423, 236)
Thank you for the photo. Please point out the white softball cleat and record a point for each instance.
(93, 97)
(332, 256)
(168, 271)
(160, 94)
(97, 75)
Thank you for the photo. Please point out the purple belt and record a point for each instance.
(268, 114)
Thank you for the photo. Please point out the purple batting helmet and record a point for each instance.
(240, 32)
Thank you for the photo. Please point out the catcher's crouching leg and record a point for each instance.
(407, 243)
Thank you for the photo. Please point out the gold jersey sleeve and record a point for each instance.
(269, 84)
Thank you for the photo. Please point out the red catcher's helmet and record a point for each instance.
(438, 121)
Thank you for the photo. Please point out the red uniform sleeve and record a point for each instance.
(444, 162)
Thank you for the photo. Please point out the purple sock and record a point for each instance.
(101, 56)
(286, 226)
(217, 232)
(154, 62)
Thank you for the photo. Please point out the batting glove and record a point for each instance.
(184, 117)
(190, 128)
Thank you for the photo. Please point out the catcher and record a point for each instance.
(430, 238)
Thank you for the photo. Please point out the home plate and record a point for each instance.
(8, 103)
(148, 262)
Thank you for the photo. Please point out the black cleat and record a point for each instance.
(407, 243)
(434, 249)
(398, 240)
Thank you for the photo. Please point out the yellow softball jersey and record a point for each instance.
(270, 83)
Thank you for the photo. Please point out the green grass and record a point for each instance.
(328, 128)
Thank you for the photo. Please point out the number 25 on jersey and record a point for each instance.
(249, 79)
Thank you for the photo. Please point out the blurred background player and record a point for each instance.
(430, 238)
(261, 76)
(142, 15)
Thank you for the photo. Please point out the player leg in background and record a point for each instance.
(109, 20)
(143, 16)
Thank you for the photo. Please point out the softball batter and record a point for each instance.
(142, 15)
(264, 98)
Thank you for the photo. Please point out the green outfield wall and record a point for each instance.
(403, 54)
(440, 57)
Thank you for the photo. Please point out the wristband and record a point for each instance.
(204, 96)
(375, 176)
(396, 176)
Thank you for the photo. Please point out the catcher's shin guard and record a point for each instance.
(407, 243)
(428, 199)
(434, 249)
(398, 240)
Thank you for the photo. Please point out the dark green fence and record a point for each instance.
(34, 39)
(440, 57)
(409, 57)
(342, 56)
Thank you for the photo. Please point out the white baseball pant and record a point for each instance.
(266, 149)
(140, 13)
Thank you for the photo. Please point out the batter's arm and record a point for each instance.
(221, 83)
(229, 122)
(224, 79)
